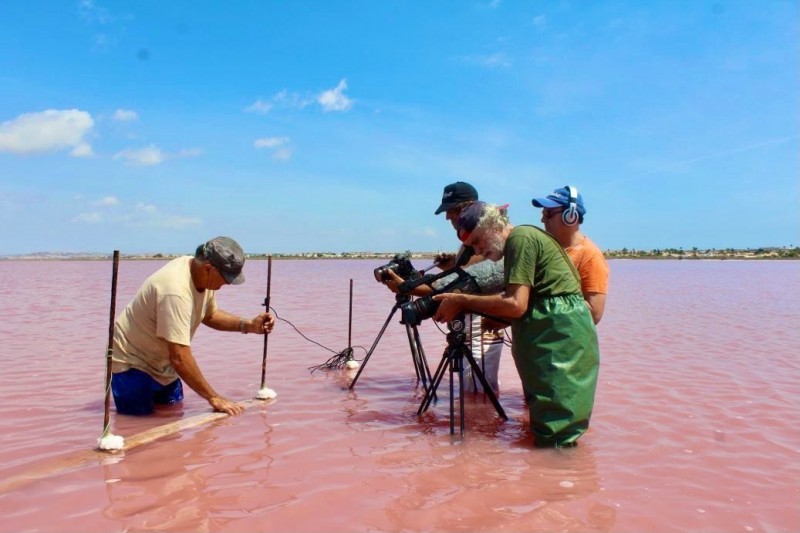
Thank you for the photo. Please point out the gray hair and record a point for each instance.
(494, 217)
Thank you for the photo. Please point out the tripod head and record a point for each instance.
(457, 333)
(457, 325)
(402, 298)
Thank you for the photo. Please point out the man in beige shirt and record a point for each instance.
(152, 338)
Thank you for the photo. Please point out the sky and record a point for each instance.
(308, 126)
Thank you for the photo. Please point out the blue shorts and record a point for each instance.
(136, 392)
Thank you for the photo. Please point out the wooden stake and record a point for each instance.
(350, 318)
(110, 350)
(266, 336)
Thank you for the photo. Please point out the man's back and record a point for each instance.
(591, 265)
(167, 307)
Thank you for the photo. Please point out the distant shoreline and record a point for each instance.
(667, 254)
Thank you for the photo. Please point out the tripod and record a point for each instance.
(414, 342)
(453, 358)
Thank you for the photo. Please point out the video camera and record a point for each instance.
(414, 312)
(400, 265)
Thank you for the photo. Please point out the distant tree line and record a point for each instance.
(788, 252)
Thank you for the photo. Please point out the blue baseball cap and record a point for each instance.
(560, 198)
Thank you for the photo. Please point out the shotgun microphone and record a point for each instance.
(488, 277)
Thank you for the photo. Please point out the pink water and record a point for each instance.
(696, 424)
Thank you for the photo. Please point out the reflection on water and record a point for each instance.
(699, 376)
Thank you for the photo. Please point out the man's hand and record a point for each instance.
(445, 261)
(450, 304)
(393, 283)
(261, 324)
(224, 405)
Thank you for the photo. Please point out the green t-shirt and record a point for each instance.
(534, 258)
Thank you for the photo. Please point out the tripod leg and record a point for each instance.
(374, 344)
(430, 394)
(426, 371)
(456, 367)
(461, 395)
(412, 343)
(453, 365)
(486, 388)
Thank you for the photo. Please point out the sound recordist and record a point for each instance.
(562, 215)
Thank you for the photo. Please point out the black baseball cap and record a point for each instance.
(456, 193)
(227, 256)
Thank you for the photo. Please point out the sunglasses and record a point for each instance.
(549, 213)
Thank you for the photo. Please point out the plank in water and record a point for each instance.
(76, 459)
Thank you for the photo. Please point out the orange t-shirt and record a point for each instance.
(591, 265)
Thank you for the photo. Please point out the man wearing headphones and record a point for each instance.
(562, 215)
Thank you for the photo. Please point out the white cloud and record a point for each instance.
(282, 154)
(489, 61)
(176, 221)
(148, 215)
(540, 22)
(270, 142)
(261, 107)
(107, 201)
(139, 215)
(47, 131)
(278, 145)
(189, 152)
(335, 99)
(147, 208)
(143, 157)
(287, 99)
(125, 115)
(93, 14)
(82, 150)
(89, 218)
(152, 155)
(282, 99)
(425, 231)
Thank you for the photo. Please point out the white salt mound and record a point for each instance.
(111, 442)
(266, 394)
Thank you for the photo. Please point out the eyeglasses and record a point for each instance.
(549, 213)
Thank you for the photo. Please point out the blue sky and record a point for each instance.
(333, 126)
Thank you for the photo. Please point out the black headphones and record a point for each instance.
(570, 215)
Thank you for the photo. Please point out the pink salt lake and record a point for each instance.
(696, 424)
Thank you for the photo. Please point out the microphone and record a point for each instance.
(488, 277)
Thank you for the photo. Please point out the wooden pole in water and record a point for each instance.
(62, 464)
(109, 351)
(266, 308)
(350, 318)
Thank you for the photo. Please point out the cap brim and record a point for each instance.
(444, 207)
(546, 203)
(232, 279)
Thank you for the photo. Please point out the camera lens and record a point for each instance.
(415, 312)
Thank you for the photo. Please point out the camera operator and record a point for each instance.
(486, 336)
(554, 338)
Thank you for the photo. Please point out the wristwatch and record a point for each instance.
(242, 325)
